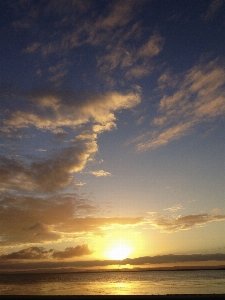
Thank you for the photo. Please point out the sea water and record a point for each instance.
(115, 283)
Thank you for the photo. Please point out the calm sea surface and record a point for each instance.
(112, 283)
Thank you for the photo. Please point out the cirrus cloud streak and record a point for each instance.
(198, 96)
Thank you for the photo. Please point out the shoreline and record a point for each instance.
(121, 297)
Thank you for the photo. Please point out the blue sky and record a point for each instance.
(112, 131)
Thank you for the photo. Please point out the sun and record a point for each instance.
(119, 251)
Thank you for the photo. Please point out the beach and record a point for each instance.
(119, 297)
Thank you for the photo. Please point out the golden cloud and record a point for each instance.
(199, 97)
(176, 223)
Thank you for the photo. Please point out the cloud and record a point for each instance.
(134, 62)
(176, 223)
(54, 218)
(57, 112)
(215, 210)
(119, 14)
(68, 109)
(100, 173)
(58, 71)
(78, 116)
(174, 208)
(213, 8)
(32, 48)
(167, 80)
(72, 252)
(30, 253)
(162, 138)
(36, 217)
(152, 47)
(172, 258)
(199, 97)
(49, 174)
(113, 33)
(54, 111)
(140, 120)
(39, 253)
(146, 261)
(90, 224)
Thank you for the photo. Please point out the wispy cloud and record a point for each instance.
(176, 223)
(100, 173)
(134, 62)
(213, 8)
(174, 208)
(32, 48)
(108, 32)
(199, 96)
(57, 72)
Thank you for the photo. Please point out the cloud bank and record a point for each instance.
(146, 261)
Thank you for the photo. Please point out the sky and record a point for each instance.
(112, 134)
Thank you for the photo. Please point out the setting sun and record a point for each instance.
(119, 252)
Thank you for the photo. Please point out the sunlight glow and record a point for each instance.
(119, 252)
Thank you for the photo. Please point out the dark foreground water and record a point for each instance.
(115, 283)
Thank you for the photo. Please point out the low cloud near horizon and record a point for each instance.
(39, 253)
(146, 261)
(65, 217)
(52, 218)
(176, 223)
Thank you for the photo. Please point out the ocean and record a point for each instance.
(115, 283)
